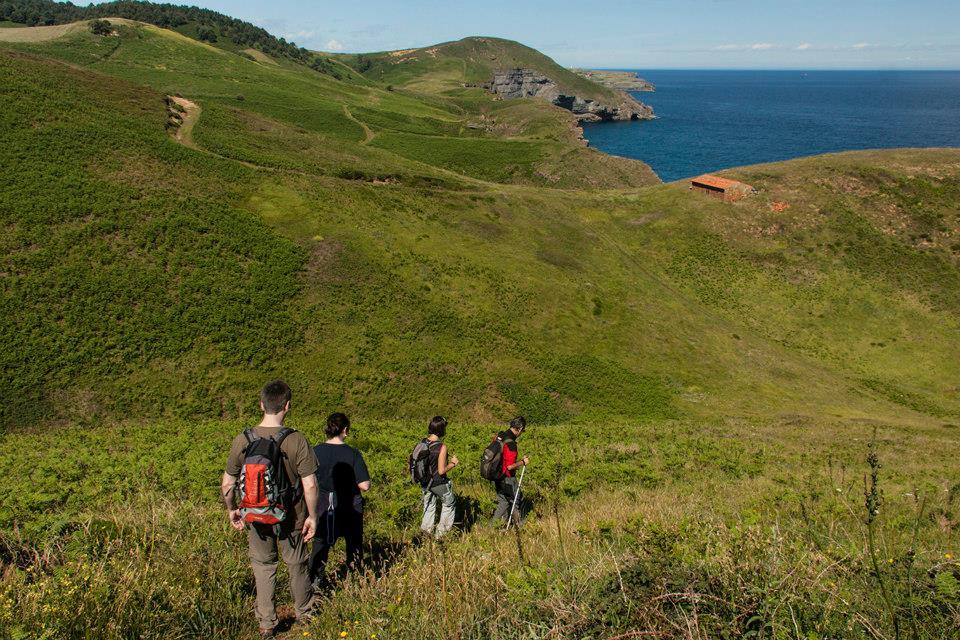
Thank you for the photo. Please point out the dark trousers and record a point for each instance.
(331, 525)
(507, 489)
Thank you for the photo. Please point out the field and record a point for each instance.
(744, 416)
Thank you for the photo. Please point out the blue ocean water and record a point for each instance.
(711, 120)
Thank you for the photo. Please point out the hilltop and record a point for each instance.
(508, 68)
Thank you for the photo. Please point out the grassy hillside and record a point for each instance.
(384, 241)
(703, 378)
(450, 65)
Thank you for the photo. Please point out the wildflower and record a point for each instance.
(948, 556)
(343, 634)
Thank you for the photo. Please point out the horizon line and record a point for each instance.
(602, 68)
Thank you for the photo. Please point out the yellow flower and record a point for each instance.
(343, 634)
(948, 556)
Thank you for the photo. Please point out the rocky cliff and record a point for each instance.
(527, 83)
(623, 80)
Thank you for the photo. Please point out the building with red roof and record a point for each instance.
(722, 188)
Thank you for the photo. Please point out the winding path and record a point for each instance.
(368, 135)
(191, 112)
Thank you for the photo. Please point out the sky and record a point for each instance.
(644, 34)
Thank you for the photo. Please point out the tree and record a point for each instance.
(101, 27)
(206, 33)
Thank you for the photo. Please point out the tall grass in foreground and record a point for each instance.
(708, 559)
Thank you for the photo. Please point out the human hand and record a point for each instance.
(236, 520)
(454, 461)
(526, 460)
(309, 528)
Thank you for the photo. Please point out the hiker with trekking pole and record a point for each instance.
(499, 463)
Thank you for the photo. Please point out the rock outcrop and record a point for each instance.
(528, 83)
(623, 80)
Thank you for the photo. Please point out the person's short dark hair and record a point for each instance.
(275, 396)
(438, 426)
(519, 423)
(337, 423)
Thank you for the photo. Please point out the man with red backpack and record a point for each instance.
(269, 487)
(499, 463)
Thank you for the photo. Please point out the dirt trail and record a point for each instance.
(368, 135)
(190, 114)
(39, 34)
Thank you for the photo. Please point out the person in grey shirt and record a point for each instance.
(438, 491)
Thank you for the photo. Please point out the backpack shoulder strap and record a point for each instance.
(248, 434)
(283, 433)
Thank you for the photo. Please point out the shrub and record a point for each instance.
(101, 27)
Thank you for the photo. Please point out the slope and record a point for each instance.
(395, 278)
(450, 65)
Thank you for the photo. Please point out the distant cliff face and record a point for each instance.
(527, 83)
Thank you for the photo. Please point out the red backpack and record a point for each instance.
(266, 494)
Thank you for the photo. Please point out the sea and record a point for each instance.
(712, 120)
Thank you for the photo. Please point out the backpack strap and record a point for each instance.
(248, 434)
(283, 433)
(294, 484)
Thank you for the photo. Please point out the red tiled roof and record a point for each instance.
(717, 182)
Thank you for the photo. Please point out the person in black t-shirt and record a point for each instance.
(342, 477)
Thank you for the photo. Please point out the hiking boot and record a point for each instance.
(268, 633)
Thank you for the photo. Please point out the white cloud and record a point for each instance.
(334, 45)
(298, 35)
(759, 46)
(803, 46)
(862, 45)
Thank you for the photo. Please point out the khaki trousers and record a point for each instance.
(263, 544)
(443, 499)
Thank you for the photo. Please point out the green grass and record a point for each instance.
(473, 61)
(636, 527)
(702, 377)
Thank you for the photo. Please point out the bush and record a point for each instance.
(101, 27)
(207, 34)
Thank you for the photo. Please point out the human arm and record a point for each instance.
(310, 496)
(443, 463)
(227, 483)
(362, 474)
(519, 463)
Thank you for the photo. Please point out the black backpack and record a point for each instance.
(422, 469)
(491, 460)
(266, 494)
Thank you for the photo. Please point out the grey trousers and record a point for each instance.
(506, 490)
(263, 544)
(440, 497)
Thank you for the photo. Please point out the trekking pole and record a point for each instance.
(516, 494)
